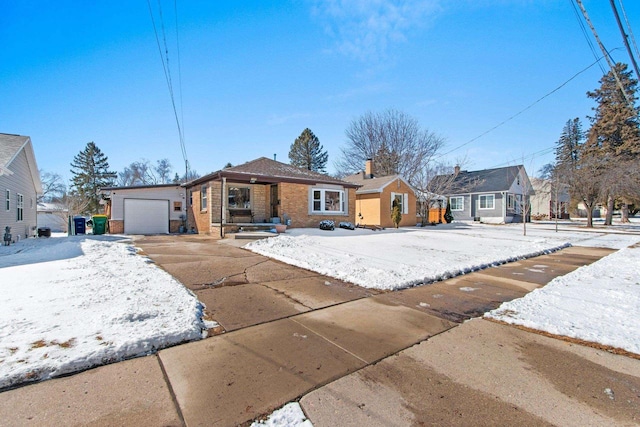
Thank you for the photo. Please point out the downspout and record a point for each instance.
(223, 207)
(504, 206)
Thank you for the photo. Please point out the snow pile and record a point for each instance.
(290, 415)
(598, 303)
(73, 303)
(396, 259)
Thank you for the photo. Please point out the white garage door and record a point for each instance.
(146, 216)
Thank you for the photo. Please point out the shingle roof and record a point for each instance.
(486, 180)
(265, 170)
(371, 185)
(10, 145)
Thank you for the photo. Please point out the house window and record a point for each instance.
(177, 206)
(190, 197)
(328, 201)
(511, 204)
(457, 203)
(400, 200)
(8, 200)
(203, 198)
(487, 201)
(239, 198)
(19, 207)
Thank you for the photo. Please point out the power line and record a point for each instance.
(625, 37)
(607, 54)
(521, 111)
(626, 20)
(164, 58)
(586, 35)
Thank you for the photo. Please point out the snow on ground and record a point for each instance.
(599, 303)
(395, 259)
(71, 303)
(290, 415)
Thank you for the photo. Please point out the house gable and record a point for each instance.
(19, 185)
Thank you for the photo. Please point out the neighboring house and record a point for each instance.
(53, 216)
(376, 196)
(264, 191)
(145, 209)
(494, 196)
(19, 185)
(548, 199)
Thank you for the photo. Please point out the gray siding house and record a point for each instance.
(19, 186)
(495, 196)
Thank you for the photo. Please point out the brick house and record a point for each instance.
(265, 191)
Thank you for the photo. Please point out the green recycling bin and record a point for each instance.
(99, 224)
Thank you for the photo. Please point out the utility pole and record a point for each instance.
(625, 37)
(605, 53)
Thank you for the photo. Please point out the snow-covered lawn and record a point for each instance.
(70, 303)
(396, 259)
(599, 303)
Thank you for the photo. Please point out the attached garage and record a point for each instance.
(146, 216)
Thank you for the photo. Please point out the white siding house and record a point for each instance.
(147, 209)
(19, 186)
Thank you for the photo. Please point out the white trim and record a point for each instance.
(461, 204)
(322, 200)
(203, 197)
(493, 202)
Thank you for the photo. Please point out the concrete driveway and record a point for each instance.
(351, 356)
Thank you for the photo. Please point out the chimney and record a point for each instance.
(456, 170)
(368, 168)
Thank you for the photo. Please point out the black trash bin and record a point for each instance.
(44, 232)
(79, 225)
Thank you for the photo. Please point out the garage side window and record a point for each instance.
(177, 206)
(203, 198)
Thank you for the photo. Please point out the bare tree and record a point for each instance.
(143, 172)
(395, 142)
(53, 187)
(163, 171)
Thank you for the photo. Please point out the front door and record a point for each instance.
(274, 201)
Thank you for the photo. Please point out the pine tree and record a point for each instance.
(568, 145)
(448, 216)
(614, 138)
(90, 169)
(614, 128)
(396, 215)
(307, 152)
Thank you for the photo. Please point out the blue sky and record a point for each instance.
(254, 74)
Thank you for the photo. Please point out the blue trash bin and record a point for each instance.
(79, 225)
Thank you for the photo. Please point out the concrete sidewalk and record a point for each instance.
(345, 350)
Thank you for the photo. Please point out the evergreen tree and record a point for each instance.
(448, 216)
(396, 215)
(614, 127)
(307, 152)
(90, 169)
(614, 138)
(568, 145)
